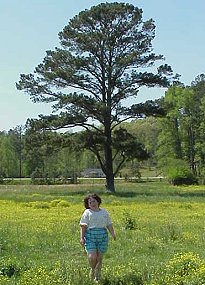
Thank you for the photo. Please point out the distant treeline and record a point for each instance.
(175, 143)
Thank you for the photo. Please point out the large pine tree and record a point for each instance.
(100, 64)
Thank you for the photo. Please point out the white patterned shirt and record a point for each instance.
(95, 219)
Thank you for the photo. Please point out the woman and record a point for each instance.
(94, 236)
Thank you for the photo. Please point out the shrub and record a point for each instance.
(178, 172)
(128, 221)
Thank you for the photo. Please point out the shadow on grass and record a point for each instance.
(191, 194)
(128, 279)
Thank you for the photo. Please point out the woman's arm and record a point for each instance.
(82, 234)
(112, 231)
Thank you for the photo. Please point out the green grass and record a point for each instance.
(160, 234)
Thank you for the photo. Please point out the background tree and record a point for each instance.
(198, 86)
(17, 142)
(99, 65)
(169, 143)
(39, 147)
(182, 135)
(146, 131)
(9, 163)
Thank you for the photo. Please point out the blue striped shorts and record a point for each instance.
(96, 239)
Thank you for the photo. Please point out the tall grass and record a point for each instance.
(160, 234)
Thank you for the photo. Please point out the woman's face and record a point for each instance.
(93, 204)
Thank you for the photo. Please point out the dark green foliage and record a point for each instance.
(9, 270)
(128, 279)
(125, 143)
(9, 267)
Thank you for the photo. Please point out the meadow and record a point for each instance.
(160, 234)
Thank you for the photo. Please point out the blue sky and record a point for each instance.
(29, 28)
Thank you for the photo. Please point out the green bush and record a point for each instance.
(128, 221)
(178, 172)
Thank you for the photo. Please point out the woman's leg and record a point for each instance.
(98, 265)
(92, 258)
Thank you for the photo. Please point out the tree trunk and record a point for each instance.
(178, 148)
(110, 182)
(192, 150)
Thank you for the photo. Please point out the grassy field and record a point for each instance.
(160, 234)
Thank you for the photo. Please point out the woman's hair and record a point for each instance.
(94, 196)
